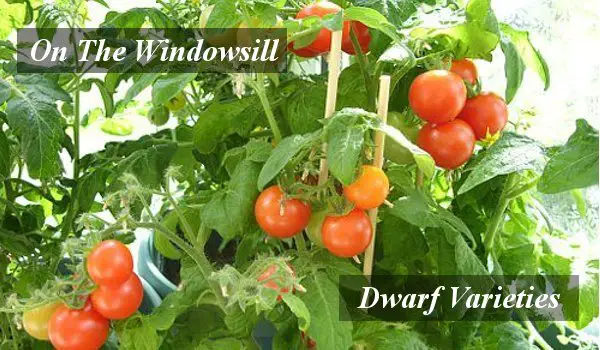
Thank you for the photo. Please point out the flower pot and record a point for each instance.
(151, 298)
(150, 267)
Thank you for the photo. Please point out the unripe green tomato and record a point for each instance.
(176, 103)
(393, 150)
(158, 115)
(226, 38)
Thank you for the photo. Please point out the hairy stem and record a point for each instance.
(363, 64)
(259, 88)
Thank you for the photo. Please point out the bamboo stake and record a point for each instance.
(382, 112)
(335, 58)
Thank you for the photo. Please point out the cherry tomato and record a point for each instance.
(278, 217)
(466, 69)
(276, 282)
(110, 263)
(117, 303)
(485, 113)
(304, 52)
(71, 329)
(437, 96)
(216, 36)
(36, 321)
(363, 36)
(322, 43)
(394, 151)
(176, 103)
(347, 235)
(450, 144)
(158, 115)
(370, 189)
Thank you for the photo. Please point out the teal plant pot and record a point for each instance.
(150, 266)
(151, 298)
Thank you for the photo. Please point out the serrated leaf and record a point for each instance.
(169, 85)
(140, 83)
(285, 151)
(512, 153)
(231, 212)
(396, 11)
(135, 18)
(373, 19)
(575, 165)
(323, 301)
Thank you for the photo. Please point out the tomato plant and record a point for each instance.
(451, 145)
(437, 96)
(118, 302)
(280, 217)
(370, 189)
(466, 69)
(486, 113)
(347, 235)
(36, 321)
(263, 171)
(110, 263)
(77, 329)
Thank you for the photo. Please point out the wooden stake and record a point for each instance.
(382, 112)
(335, 61)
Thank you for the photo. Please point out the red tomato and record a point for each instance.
(347, 235)
(437, 96)
(450, 144)
(370, 189)
(110, 263)
(363, 36)
(466, 69)
(274, 283)
(278, 217)
(71, 329)
(322, 43)
(485, 113)
(117, 303)
(302, 52)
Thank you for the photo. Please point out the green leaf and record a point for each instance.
(162, 243)
(231, 212)
(220, 120)
(136, 17)
(420, 210)
(117, 127)
(512, 153)
(91, 184)
(35, 120)
(390, 338)
(147, 164)
(135, 334)
(400, 241)
(476, 37)
(345, 133)
(169, 85)
(306, 107)
(140, 82)
(323, 301)
(373, 18)
(225, 14)
(5, 162)
(575, 165)
(394, 11)
(507, 335)
(285, 151)
(530, 56)
(514, 68)
(299, 309)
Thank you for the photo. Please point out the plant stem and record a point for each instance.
(259, 88)
(535, 335)
(498, 215)
(187, 229)
(300, 242)
(363, 64)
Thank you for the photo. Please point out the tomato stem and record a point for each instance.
(300, 243)
(363, 64)
(498, 215)
(259, 88)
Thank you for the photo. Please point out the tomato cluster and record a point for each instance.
(322, 43)
(343, 235)
(455, 123)
(118, 295)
